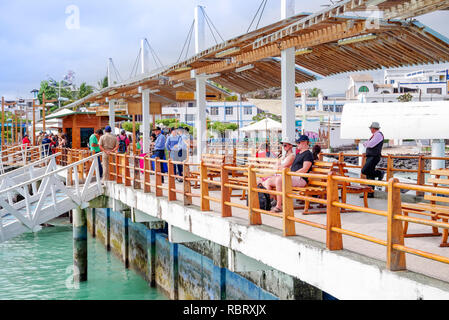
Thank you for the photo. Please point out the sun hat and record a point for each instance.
(375, 125)
(287, 140)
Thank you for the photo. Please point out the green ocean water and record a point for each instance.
(39, 266)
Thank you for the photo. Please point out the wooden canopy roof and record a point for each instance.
(318, 40)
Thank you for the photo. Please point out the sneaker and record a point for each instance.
(381, 175)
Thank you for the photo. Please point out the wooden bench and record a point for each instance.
(316, 187)
(431, 209)
(257, 163)
(213, 160)
(349, 188)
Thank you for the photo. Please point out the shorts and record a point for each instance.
(298, 182)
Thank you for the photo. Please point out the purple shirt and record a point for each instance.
(375, 140)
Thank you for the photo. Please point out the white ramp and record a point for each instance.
(51, 199)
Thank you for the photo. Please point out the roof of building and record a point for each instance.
(362, 77)
(329, 43)
(275, 107)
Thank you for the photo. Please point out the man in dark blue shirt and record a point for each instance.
(303, 163)
(46, 146)
(159, 148)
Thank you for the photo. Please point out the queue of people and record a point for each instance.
(175, 144)
(48, 141)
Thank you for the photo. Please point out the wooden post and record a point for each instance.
(157, 170)
(70, 170)
(421, 176)
(134, 134)
(146, 175)
(341, 158)
(334, 240)
(171, 181)
(126, 170)
(362, 176)
(226, 210)
(43, 112)
(187, 185)
(34, 122)
(204, 188)
(3, 123)
(389, 167)
(111, 167)
(118, 172)
(395, 232)
(287, 204)
(136, 181)
(253, 198)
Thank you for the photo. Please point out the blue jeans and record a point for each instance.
(161, 155)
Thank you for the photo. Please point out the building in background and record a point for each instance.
(241, 113)
(422, 85)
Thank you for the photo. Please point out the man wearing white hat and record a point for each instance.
(373, 153)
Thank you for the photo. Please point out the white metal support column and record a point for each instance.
(201, 116)
(304, 109)
(145, 120)
(200, 31)
(200, 85)
(111, 102)
(438, 150)
(288, 78)
(111, 115)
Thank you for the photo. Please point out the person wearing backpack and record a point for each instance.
(123, 142)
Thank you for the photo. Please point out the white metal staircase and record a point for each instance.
(36, 193)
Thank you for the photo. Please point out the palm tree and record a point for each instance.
(84, 90)
(313, 93)
(103, 83)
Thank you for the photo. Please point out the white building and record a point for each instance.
(241, 113)
(423, 85)
(24, 106)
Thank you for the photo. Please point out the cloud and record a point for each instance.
(39, 43)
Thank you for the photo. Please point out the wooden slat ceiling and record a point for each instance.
(265, 74)
(397, 44)
(244, 42)
(394, 48)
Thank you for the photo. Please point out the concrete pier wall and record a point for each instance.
(189, 271)
(318, 272)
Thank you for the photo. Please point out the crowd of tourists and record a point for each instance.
(302, 161)
(173, 143)
(48, 141)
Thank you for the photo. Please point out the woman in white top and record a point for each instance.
(286, 162)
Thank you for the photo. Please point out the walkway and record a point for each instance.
(35, 194)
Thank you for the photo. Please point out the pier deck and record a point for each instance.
(372, 225)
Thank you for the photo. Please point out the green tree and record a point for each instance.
(128, 126)
(222, 127)
(231, 98)
(174, 123)
(103, 83)
(84, 90)
(313, 93)
(264, 115)
(50, 92)
(406, 97)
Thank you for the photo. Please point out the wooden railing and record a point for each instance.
(390, 169)
(125, 169)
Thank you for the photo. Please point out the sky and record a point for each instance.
(42, 38)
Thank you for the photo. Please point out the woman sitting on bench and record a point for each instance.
(302, 164)
(286, 162)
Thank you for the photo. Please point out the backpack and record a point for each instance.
(122, 145)
(264, 199)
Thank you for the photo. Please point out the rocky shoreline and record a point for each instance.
(409, 164)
